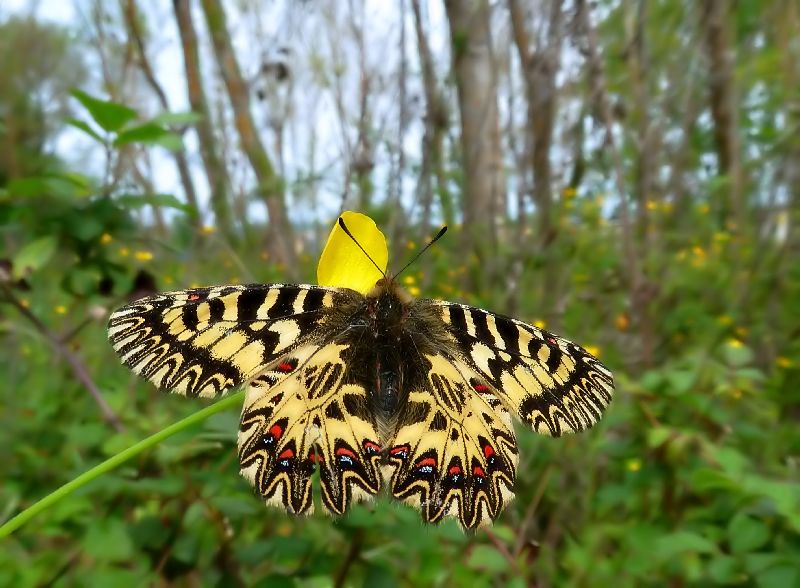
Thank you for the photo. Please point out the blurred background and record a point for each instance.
(623, 172)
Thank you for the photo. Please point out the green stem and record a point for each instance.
(115, 461)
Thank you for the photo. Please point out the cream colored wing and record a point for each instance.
(551, 384)
(205, 341)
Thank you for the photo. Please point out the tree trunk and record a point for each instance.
(436, 124)
(216, 173)
(480, 130)
(716, 24)
(270, 186)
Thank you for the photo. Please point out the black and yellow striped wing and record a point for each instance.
(205, 341)
(550, 383)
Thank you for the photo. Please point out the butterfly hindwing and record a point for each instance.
(303, 413)
(551, 384)
(454, 453)
(204, 341)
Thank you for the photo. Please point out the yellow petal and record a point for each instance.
(343, 265)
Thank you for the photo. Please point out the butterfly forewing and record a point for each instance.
(204, 341)
(552, 384)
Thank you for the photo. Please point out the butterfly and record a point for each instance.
(373, 389)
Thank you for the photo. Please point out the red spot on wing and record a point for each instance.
(478, 471)
(400, 449)
(488, 451)
(276, 431)
(372, 447)
(277, 398)
(286, 454)
(347, 452)
(426, 461)
(285, 367)
(480, 387)
(315, 457)
(454, 470)
(194, 297)
(552, 341)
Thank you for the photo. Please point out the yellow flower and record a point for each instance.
(410, 245)
(784, 362)
(704, 209)
(414, 290)
(234, 280)
(622, 322)
(741, 332)
(652, 205)
(569, 192)
(208, 230)
(725, 320)
(143, 255)
(61, 309)
(539, 324)
(735, 343)
(124, 252)
(24, 303)
(105, 238)
(633, 464)
(264, 255)
(409, 280)
(343, 264)
(593, 350)
(698, 251)
(168, 280)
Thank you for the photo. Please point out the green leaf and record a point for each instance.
(165, 200)
(86, 128)
(110, 116)
(149, 134)
(736, 354)
(177, 118)
(746, 533)
(669, 546)
(488, 559)
(33, 256)
(108, 539)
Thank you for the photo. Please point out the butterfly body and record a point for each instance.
(374, 391)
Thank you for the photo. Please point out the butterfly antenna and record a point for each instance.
(349, 234)
(438, 236)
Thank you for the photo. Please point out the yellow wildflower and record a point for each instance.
(105, 238)
(61, 309)
(410, 245)
(735, 343)
(414, 290)
(409, 280)
(124, 252)
(593, 350)
(143, 255)
(539, 324)
(343, 264)
(24, 303)
(784, 362)
(622, 322)
(651, 205)
(725, 320)
(208, 230)
(741, 332)
(569, 192)
(633, 465)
